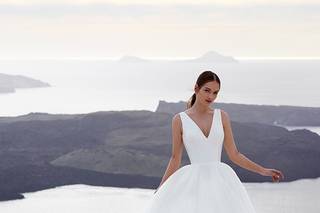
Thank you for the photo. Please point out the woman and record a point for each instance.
(207, 184)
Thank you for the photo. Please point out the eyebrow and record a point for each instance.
(210, 89)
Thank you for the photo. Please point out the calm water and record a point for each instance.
(299, 196)
(87, 86)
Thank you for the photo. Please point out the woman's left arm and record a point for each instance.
(240, 159)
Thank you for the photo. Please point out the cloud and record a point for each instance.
(176, 13)
(160, 2)
(98, 29)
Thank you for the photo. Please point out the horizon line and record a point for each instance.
(156, 58)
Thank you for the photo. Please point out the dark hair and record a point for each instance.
(204, 77)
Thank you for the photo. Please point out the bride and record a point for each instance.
(207, 184)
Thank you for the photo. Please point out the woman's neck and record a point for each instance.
(200, 108)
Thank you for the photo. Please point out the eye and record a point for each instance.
(206, 90)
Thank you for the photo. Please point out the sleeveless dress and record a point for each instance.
(207, 185)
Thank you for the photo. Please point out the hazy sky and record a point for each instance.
(166, 28)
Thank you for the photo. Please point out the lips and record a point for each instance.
(208, 101)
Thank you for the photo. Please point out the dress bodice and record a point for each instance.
(207, 184)
(202, 149)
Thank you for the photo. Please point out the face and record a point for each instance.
(208, 92)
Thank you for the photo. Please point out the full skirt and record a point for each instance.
(211, 187)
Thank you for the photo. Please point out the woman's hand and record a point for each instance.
(275, 174)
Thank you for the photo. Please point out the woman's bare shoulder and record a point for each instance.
(176, 118)
(176, 121)
(224, 113)
(224, 116)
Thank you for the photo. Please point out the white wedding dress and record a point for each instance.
(207, 185)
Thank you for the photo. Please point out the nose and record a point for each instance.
(211, 97)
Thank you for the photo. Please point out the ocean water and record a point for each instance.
(314, 129)
(299, 196)
(89, 86)
(82, 86)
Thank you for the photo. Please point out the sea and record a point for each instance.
(300, 196)
(90, 85)
(84, 86)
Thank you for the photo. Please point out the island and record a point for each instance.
(208, 57)
(9, 83)
(131, 149)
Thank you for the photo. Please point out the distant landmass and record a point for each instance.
(209, 57)
(266, 114)
(128, 58)
(130, 149)
(213, 56)
(9, 83)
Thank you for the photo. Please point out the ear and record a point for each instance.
(196, 88)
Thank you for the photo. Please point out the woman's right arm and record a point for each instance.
(177, 149)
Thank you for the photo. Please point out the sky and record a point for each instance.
(159, 29)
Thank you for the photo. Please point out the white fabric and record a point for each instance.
(207, 185)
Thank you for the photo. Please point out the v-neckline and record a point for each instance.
(211, 126)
